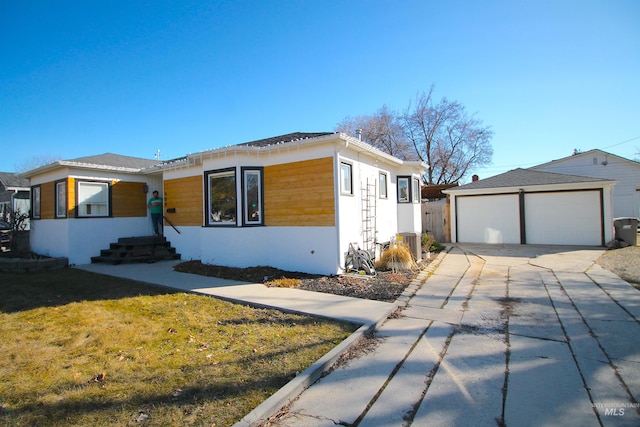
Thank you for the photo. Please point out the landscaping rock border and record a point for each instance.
(30, 265)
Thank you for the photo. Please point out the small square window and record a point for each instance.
(93, 199)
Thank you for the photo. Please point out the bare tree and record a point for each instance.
(442, 135)
(35, 162)
(383, 130)
(446, 138)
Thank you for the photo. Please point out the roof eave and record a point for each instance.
(531, 187)
(348, 141)
(67, 164)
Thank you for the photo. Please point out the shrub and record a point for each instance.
(284, 283)
(396, 257)
(429, 243)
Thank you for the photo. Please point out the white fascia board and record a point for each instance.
(531, 188)
(67, 164)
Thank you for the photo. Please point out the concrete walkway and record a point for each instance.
(492, 335)
(497, 335)
(355, 310)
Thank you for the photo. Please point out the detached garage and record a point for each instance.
(524, 206)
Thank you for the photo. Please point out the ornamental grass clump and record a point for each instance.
(283, 282)
(396, 258)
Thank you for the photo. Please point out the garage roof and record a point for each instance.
(519, 178)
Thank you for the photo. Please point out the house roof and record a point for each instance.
(518, 178)
(119, 163)
(115, 161)
(283, 139)
(286, 142)
(586, 154)
(106, 161)
(13, 180)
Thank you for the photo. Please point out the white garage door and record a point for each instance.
(488, 219)
(565, 218)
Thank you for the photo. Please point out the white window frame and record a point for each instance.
(383, 186)
(252, 210)
(61, 199)
(35, 202)
(404, 189)
(346, 179)
(214, 219)
(415, 190)
(101, 199)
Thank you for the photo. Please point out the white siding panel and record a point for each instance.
(565, 218)
(308, 249)
(488, 219)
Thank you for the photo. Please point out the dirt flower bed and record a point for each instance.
(385, 286)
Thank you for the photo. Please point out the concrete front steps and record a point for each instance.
(137, 250)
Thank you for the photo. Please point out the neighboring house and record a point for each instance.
(597, 163)
(79, 206)
(525, 206)
(294, 202)
(14, 196)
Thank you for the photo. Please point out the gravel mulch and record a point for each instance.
(625, 262)
(384, 286)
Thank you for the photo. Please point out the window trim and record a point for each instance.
(57, 214)
(36, 202)
(106, 184)
(404, 181)
(207, 195)
(415, 190)
(346, 191)
(383, 178)
(245, 170)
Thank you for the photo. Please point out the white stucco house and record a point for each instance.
(525, 206)
(293, 202)
(598, 163)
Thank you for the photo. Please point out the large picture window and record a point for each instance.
(221, 197)
(93, 199)
(252, 196)
(35, 202)
(61, 199)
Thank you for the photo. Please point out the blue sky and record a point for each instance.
(132, 77)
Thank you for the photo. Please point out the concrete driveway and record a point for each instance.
(493, 335)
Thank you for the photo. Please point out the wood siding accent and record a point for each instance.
(128, 199)
(47, 200)
(71, 198)
(185, 196)
(300, 193)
